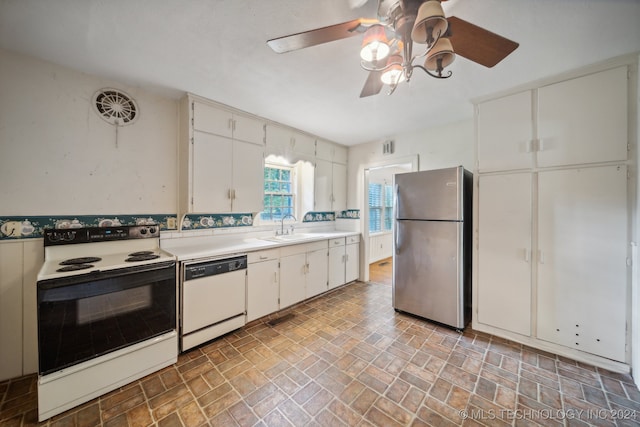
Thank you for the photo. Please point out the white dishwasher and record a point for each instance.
(213, 299)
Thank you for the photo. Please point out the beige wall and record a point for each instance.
(58, 157)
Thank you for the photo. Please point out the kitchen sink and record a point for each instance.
(294, 237)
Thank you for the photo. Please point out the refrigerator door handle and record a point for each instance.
(396, 199)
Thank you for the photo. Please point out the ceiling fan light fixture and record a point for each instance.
(430, 23)
(394, 73)
(440, 56)
(375, 45)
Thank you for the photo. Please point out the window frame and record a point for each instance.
(268, 212)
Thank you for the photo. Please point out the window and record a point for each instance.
(380, 208)
(278, 192)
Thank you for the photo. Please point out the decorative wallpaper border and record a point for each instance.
(319, 216)
(31, 227)
(349, 214)
(207, 221)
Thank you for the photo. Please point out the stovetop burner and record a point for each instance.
(143, 257)
(82, 260)
(74, 267)
(141, 253)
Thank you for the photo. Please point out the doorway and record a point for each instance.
(378, 217)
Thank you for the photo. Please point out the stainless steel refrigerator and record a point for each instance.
(432, 245)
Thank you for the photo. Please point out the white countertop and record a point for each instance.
(190, 248)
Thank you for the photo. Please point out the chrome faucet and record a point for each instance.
(281, 231)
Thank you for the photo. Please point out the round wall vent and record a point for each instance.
(115, 107)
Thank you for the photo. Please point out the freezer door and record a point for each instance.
(430, 195)
(428, 272)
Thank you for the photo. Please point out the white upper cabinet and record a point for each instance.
(577, 121)
(289, 143)
(340, 154)
(335, 153)
(505, 133)
(248, 177)
(211, 119)
(330, 186)
(221, 160)
(211, 186)
(583, 120)
(323, 185)
(339, 187)
(324, 150)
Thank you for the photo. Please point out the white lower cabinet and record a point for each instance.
(582, 259)
(303, 272)
(19, 265)
(263, 283)
(504, 252)
(352, 263)
(316, 278)
(344, 260)
(552, 254)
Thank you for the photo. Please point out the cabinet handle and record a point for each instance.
(529, 146)
(346, 258)
(263, 257)
(233, 127)
(540, 144)
(307, 268)
(527, 255)
(229, 194)
(234, 193)
(540, 256)
(230, 124)
(275, 277)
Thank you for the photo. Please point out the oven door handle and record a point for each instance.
(101, 275)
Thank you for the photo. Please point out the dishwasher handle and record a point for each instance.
(214, 267)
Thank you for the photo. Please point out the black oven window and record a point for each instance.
(81, 321)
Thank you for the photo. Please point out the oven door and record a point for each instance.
(85, 316)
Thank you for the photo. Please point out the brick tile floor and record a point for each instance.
(348, 359)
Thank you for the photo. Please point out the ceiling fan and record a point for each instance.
(387, 51)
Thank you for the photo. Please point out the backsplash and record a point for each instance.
(206, 221)
(31, 227)
(349, 214)
(319, 216)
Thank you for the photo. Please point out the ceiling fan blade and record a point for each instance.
(477, 44)
(373, 85)
(317, 36)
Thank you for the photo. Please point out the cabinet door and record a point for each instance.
(248, 129)
(324, 150)
(304, 145)
(248, 177)
(582, 272)
(292, 279)
(352, 266)
(11, 259)
(323, 185)
(505, 133)
(583, 120)
(278, 140)
(263, 289)
(337, 258)
(317, 272)
(339, 187)
(207, 118)
(504, 252)
(212, 173)
(340, 154)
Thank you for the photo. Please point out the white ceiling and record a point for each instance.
(217, 49)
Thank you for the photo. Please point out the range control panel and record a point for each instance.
(99, 234)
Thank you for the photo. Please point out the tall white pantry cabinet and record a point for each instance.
(553, 198)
